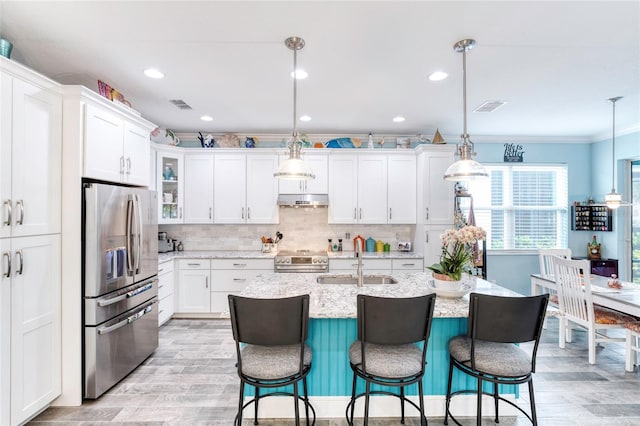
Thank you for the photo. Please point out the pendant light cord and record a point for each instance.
(465, 136)
(295, 94)
(613, 144)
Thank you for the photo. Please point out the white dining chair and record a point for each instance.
(545, 259)
(632, 351)
(573, 279)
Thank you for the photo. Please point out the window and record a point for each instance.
(524, 207)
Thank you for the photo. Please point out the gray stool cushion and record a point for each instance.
(273, 362)
(392, 361)
(500, 359)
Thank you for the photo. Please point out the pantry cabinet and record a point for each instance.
(245, 190)
(116, 144)
(30, 246)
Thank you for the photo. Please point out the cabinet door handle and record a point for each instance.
(354, 214)
(426, 236)
(408, 264)
(300, 185)
(242, 214)
(426, 213)
(360, 213)
(248, 213)
(239, 279)
(19, 256)
(210, 212)
(7, 221)
(128, 165)
(7, 256)
(239, 265)
(160, 270)
(20, 207)
(180, 209)
(193, 264)
(122, 165)
(206, 282)
(390, 216)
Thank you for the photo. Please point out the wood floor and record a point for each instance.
(191, 380)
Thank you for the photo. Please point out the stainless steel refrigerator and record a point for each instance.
(120, 284)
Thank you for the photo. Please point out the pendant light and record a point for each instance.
(465, 168)
(294, 168)
(613, 199)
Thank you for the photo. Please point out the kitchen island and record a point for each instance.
(332, 329)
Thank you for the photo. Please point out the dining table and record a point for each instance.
(625, 299)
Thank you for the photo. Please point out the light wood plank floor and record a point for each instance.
(191, 380)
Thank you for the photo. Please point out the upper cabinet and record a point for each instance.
(116, 144)
(30, 158)
(435, 195)
(318, 163)
(198, 186)
(245, 190)
(170, 186)
(372, 188)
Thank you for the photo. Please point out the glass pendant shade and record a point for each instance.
(294, 167)
(613, 200)
(466, 168)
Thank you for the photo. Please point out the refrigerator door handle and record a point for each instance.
(127, 295)
(126, 321)
(139, 236)
(129, 236)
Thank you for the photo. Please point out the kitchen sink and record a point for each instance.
(353, 279)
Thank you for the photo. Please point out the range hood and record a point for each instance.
(303, 200)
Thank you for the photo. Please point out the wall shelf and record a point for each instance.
(591, 217)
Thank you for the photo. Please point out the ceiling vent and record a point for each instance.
(180, 103)
(489, 106)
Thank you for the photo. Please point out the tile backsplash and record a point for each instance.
(302, 228)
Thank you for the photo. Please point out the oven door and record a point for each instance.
(115, 348)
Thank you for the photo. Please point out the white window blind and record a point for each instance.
(524, 206)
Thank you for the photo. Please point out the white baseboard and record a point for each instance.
(281, 407)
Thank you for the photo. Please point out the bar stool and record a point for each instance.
(632, 350)
(391, 349)
(270, 337)
(488, 351)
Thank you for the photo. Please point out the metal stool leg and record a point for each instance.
(295, 401)
(448, 398)
(306, 399)
(241, 400)
(366, 404)
(495, 400)
(534, 417)
(402, 404)
(255, 415)
(353, 399)
(479, 404)
(423, 417)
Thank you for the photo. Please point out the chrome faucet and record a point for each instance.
(358, 248)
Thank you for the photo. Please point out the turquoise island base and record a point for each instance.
(332, 329)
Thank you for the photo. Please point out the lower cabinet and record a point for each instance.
(30, 331)
(165, 292)
(231, 276)
(204, 284)
(193, 285)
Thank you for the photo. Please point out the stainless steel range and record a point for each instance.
(301, 261)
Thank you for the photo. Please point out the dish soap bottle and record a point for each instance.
(370, 144)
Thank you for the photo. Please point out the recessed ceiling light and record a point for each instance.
(206, 118)
(438, 75)
(305, 118)
(153, 73)
(398, 119)
(300, 74)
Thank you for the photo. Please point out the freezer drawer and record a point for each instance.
(97, 310)
(115, 348)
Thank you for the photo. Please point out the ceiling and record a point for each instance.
(554, 63)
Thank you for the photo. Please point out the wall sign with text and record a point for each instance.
(513, 153)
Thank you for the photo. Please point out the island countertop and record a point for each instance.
(339, 300)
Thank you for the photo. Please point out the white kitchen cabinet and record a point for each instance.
(245, 190)
(358, 188)
(431, 243)
(116, 148)
(231, 276)
(30, 331)
(401, 189)
(170, 186)
(198, 188)
(153, 167)
(165, 292)
(320, 185)
(30, 157)
(402, 265)
(193, 286)
(435, 195)
(369, 266)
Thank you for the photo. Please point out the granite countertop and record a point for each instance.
(206, 254)
(250, 254)
(339, 301)
(375, 255)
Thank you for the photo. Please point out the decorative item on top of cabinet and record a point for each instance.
(591, 217)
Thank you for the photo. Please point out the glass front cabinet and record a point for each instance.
(170, 187)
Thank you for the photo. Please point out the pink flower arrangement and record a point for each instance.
(457, 251)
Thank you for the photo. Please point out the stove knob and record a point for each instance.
(314, 260)
(288, 260)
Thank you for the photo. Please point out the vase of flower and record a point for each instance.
(445, 282)
(457, 255)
